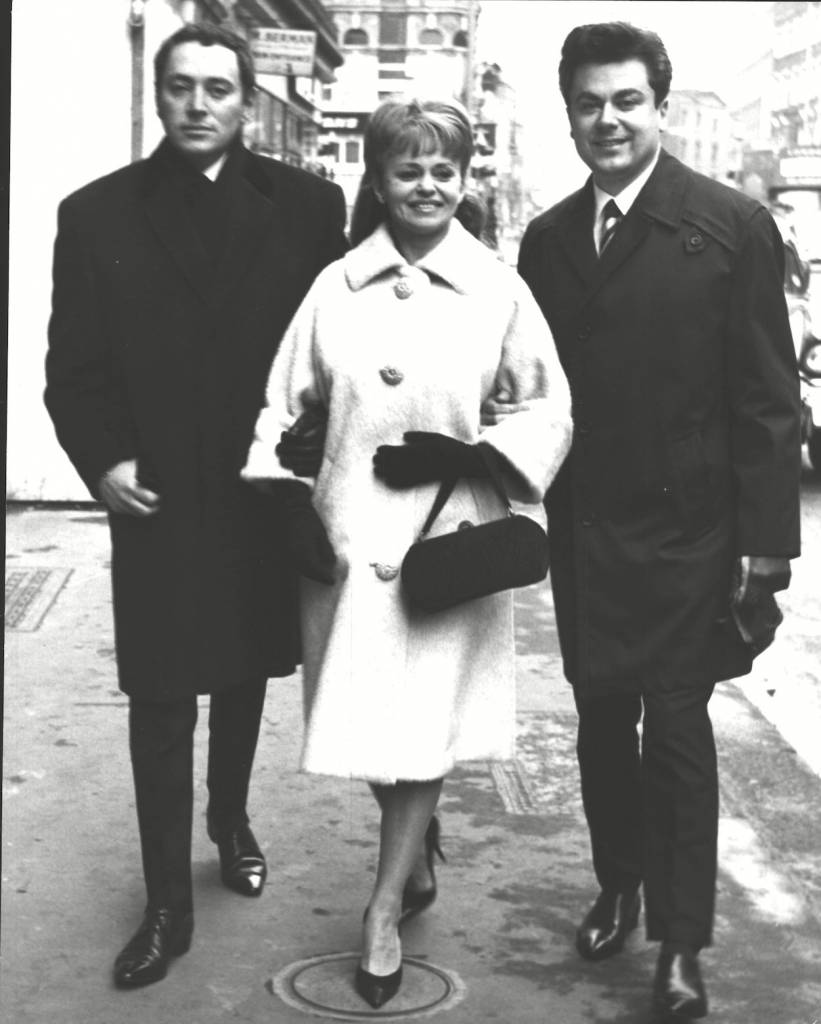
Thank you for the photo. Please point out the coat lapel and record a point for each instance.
(253, 215)
(575, 233)
(165, 209)
(662, 199)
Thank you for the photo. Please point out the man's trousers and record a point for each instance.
(162, 752)
(652, 808)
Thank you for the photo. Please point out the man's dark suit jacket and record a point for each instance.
(159, 350)
(686, 450)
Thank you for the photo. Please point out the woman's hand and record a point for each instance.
(425, 457)
(300, 448)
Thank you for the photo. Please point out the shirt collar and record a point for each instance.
(459, 259)
(627, 196)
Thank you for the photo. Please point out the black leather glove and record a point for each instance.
(306, 537)
(427, 456)
(300, 448)
(755, 610)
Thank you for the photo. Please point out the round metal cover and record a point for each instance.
(323, 987)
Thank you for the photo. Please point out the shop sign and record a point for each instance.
(344, 122)
(283, 51)
(805, 167)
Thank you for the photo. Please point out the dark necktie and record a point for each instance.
(611, 217)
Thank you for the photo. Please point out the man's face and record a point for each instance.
(200, 101)
(614, 121)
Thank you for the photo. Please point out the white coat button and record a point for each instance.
(391, 375)
(385, 572)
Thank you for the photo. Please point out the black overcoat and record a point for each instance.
(159, 354)
(686, 450)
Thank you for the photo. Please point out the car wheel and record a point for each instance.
(814, 449)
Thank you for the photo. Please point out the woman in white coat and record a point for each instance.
(407, 347)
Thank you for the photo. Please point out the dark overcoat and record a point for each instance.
(686, 451)
(160, 354)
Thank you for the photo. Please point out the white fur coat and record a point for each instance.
(391, 694)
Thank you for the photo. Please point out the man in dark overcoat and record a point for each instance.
(681, 488)
(174, 279)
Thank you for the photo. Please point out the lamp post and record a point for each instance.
(136, 32)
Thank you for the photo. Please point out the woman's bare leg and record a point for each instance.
(407, 808)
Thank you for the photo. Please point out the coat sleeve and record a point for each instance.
(336, 243)
(527, 418)
(294, 386)
(84, 394)
(764, 398)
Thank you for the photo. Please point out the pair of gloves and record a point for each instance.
(424, 457)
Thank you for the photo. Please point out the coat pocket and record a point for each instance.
(690, 484)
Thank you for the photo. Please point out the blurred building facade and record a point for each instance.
(391, 48)
(497, 165)
(104, 118)
(699, 133)
(777, 120)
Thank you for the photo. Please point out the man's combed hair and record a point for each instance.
(208, 35)
(614, 42)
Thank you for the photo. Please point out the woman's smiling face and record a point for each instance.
(421, 193)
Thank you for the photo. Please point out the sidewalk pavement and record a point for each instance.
(517, 877)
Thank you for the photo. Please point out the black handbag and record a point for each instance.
(473, 561)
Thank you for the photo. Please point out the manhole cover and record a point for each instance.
(29, 595)
(323, 987)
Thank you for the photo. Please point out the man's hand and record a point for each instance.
(121, 491)
(754, 608)
(305, 533)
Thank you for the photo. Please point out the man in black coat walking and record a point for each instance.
(663, 290)
(174, 279)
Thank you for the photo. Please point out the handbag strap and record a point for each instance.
(447, 485)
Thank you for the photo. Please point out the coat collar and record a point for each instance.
(251, 211)
(459, 259)
(662, 199)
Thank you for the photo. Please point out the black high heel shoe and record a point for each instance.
(414, 901)
(377, 989)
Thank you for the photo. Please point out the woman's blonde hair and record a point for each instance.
(417, 127)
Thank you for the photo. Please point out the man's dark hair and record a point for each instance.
(208, 35)
(614, 42)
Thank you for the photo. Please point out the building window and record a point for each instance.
(327, 93)
(355, 37)
(330, 149)
(352, 151)
(697, 154)
(431, 37)
(461, 39)
(393, 29)
(389, 73)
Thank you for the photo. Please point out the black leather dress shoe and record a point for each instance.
(242, 864)
(678, 991)
(608, 923)
(163, 933)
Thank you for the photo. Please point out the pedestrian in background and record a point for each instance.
(663, 290)
(398, 346)
(174, 279)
